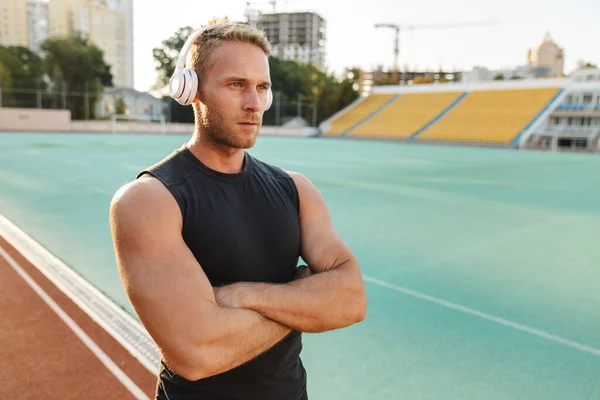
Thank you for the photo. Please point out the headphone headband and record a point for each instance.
(188, 44)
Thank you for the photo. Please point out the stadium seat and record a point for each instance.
(493, 116)
(358, 113)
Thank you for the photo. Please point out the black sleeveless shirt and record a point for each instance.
(240, 227)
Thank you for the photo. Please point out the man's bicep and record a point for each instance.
(150, 251)
(322, 247)
(166, 286)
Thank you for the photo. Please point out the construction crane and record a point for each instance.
(397, 28)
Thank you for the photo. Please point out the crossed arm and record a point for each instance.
(331, 296)
(174, 298)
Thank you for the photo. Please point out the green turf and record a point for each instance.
(508, 233)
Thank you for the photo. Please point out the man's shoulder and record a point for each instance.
(301, 181)
(307, 190)
(142, 195)
(142, 213)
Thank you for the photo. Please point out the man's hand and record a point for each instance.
(233, 295)
(302, 272)
(230, 296)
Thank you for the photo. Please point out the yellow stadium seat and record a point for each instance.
(406, 115)
(357, 113)
(493, 116)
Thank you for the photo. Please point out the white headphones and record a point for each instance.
(184, 82)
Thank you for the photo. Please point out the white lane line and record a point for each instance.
(123, 327)
(101, 355)
(457, 307)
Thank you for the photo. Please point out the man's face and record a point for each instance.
(234, 94)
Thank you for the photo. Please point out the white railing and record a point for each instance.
(570, 130)
(135, 122)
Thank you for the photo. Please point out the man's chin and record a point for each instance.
(240, 143)
(247, 139)
(248, 143)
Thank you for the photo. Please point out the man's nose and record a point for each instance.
(252, 100)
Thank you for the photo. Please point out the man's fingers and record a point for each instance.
(302, 272)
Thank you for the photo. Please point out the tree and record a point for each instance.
(289, 78)
(324, 88)
(120, 106)
(385, 81)
(25, 70)
(421, 80)
(581, 64)
(75, 65)
(167, 53)
(348, 89)
(5, 82)
(499, 77)
(327, 95)
(31, 63)
(24, 65)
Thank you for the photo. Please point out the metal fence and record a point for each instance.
(81, 104)
(284, 112)
(85, 105)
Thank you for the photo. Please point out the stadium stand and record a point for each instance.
(547, 114)
(407, 115)
(362, 110)
(494, 116)
(498, 113)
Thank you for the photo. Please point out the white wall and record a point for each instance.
(31, 120)
(175, 128)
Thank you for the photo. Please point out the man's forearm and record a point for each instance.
(237, 335)
(321, 302)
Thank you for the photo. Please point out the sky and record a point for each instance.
(352, 40)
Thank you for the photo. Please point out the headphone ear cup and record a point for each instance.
(187, 87)
(269, 99)
(176, 83)
(193, 86)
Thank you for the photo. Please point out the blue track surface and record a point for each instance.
(481, 264)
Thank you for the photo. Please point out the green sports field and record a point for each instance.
(482, 266)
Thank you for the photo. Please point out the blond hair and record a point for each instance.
(223, 32)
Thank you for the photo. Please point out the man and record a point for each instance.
(208, 242)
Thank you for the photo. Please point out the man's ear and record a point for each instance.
(198, 90)
(199, 96)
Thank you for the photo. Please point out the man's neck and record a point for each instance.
(215, 156)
